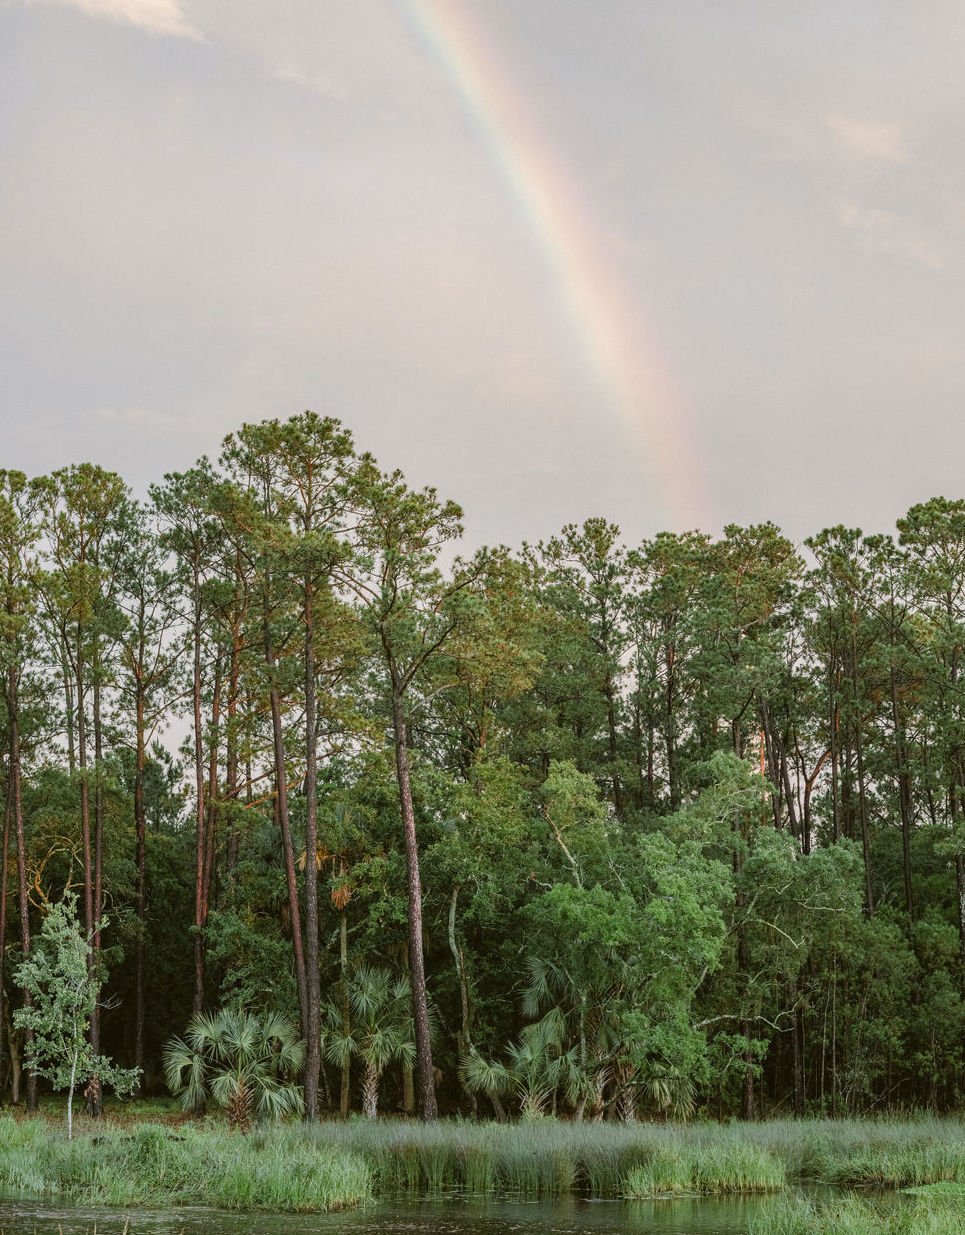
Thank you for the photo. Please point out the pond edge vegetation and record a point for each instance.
(331, 1166)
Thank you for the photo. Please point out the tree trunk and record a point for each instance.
(231, 755)
(4, 871)
(13, 1051)
(140, 826)
(611, 722)
(748, 1106)
(313, 990)
(345, 1097)
(905, 807)
(197, 1003)
(95, 1104)
(425, 1080)
(284, 824)
(16, 796)
(211, 806)
(673, 782)
(960, 888)
(89, 917)
(370, 1091)
(463, 1038)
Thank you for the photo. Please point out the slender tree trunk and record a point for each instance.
(463, 1038)
(284, 824)
(611, 722)
(313, 991)
(198, 998)
(834, 722)
(4, 872)
(13, 1052)
(70, 1096)
(15, 791)
(904, 801)
(798, 1064)
(211, 807)
(95, 1104)
(425, 1080)
(673, 783)
(743, 955)
(345, 1097)
(231, 754)
(68, 706)
(140, 827)
(863, 817)
(960, 888)
(89, 917)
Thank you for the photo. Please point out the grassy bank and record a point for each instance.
(279, 1169)
(854, 1216)
(335, 1165)
(607, 1160)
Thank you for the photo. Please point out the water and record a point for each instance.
(684, 1216)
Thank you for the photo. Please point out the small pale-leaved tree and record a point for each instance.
(63, 990)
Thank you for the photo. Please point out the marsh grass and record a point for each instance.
(336, 1165)
(276, 1170)
(550, 1158)
(943, 1190)
(855, 1216)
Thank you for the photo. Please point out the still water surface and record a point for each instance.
(687, 1216)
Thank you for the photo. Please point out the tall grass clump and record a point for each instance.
(862, 1152)
(901, 1166)
(853, 1216)
(153, 1164)
(737, 1166)
(709, 1169)
(664, 1175)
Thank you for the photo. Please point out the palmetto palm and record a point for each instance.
(382, 1029)
(568, 1052)
(247, 1064)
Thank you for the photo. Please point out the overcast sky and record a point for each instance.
(222, 210)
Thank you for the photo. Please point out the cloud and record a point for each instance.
(162, 17)
(319, 84)
(881, 231)
(873, 143)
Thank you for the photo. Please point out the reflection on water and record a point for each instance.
(684, 1216)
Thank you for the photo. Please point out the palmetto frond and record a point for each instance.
(184, 1073)
(245, 1063)
(340, 1047)
(671, 1092)
(482, 1076)
(274, 1101)
(370, 991)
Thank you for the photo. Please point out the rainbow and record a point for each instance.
(618, 346)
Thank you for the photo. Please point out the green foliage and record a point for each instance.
(245, 1063)
(62, 991)
(684, 822)
(380, 1030)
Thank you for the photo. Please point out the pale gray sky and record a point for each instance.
(220, 210)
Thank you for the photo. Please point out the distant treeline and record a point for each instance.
(577, 829)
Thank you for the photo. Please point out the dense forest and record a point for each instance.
(578, 829)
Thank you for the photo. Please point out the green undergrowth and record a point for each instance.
(334, 1165)
(856, 1216)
